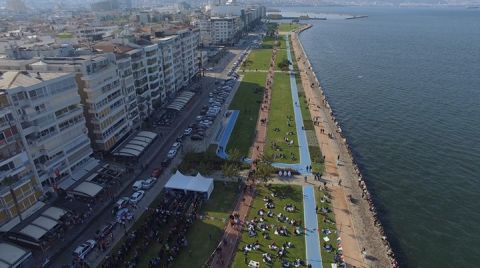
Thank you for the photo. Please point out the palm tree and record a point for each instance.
(230, 170)
(9, 181)
(264, 171)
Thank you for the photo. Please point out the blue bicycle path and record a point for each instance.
(312, 238)
(301, 135)
(227, 131)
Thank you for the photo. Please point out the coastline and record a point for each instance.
(363, 238)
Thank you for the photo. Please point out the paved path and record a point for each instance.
(226, 132)
(312, 239)
(301, 134)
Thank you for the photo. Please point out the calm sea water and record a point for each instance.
(405, 86)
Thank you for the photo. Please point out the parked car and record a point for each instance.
(106, 230)
(176, 145)
(121, 203)
(147, 184)
(157, 172)
(137, 196)
(138, 185)
(84, 249)
(196, 137)
(187, 131)
(166, 162)
(172, 153)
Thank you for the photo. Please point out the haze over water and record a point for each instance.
(405, 86)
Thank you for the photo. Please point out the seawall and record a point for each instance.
(369, 233)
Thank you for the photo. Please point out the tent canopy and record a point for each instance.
(179, 103)
(33, 231)
(136, 146)
(12, 256)
(190, 183)
(45, 223)
(54, 213)
(87, 189)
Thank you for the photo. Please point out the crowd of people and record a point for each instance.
(262, 225)
(166, 225)
(361, 183)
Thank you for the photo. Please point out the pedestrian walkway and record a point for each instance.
(227, 131)
(312, 239)
(301, 135)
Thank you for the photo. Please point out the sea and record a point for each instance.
(404, 84)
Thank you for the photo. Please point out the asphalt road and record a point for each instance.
(157, 154)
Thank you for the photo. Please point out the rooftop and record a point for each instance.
(14, 79)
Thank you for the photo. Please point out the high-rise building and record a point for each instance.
(48, 111)
(19, 184)
(16, 6)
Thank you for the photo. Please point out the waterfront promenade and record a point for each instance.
(362, 241)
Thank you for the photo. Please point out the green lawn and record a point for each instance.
(247, 99)
(287, 27)
(327, 256)
(200, 246)
(281, 54)
(258, 59)
(281, 110)
(286, 194)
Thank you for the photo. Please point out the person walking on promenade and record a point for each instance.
(340, 182)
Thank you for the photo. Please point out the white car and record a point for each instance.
(138, 185)
(82, 251)
(137, 196)
(147, 184)
(188, 131)
(176, 146)
(172, 153)
(121, 203)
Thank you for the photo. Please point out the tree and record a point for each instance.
(230, 170)
(264, 171)
(235, 156)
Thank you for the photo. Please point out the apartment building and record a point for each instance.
(48, 111)
(19, 184)
(154, 59)
(128, 90)
(101, 94)
(166, 47)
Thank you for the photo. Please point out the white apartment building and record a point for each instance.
(139, 69)
(47, 108)
(154, 58)
(101, 93)
(128, 90)
(166, 47)
(20, 188)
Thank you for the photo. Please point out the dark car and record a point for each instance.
(157, 172)
(166, 162)
(106, 230)
(196, 137)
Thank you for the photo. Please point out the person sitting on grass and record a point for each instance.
(256, 246)
(298, 230)
(270, 205)
(288, 244)
(266, 236)
(281, 217)
(270, 213)
(261, 212)
(273, 246)
(267, 199)
(298, 262)
(327, 247)
(266, 258)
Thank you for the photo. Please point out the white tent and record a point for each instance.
(33, 231)
(45, 223)
(87, 189)
(12, 256)
(190, 183)
(54, 213)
